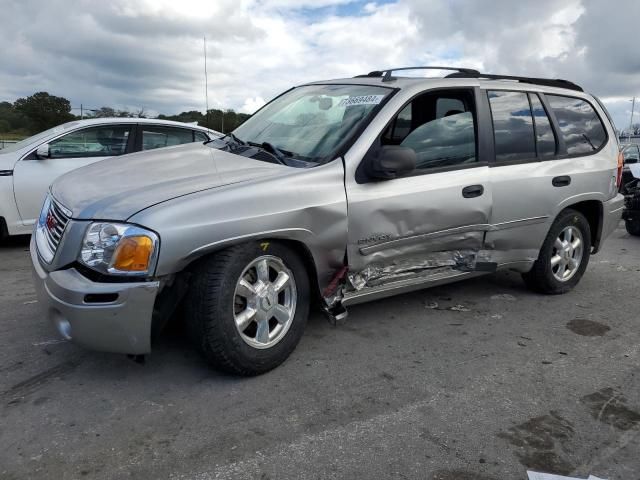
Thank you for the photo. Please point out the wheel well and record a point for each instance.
(4, 231)
(592, 210)
(307, 258)
(300, 248)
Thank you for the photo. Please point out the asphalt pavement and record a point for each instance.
(479, 380)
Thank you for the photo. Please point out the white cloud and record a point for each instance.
(250, 105)
(149, 53)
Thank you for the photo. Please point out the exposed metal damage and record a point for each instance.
(416, 266)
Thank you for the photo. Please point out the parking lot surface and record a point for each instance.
(478, 380)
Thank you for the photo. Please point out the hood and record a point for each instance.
(117, 188)
(8, 159)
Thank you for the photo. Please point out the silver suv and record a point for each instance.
(343, 191)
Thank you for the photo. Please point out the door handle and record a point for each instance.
(472, 191)
(561, 181)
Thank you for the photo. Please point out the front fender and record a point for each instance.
(305, 205)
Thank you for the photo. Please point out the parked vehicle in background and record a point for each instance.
(631, 192)
(631, 153)
(346, 191)
(27, 168)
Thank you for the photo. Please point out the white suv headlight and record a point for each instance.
(119, 249)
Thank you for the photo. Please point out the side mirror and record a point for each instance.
(391, 161)
(43, 151)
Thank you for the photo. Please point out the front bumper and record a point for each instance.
(109, 317)
(611, 215)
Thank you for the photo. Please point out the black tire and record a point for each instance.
(4, 231)
(540, 278)
(633, 227)
(210, 316)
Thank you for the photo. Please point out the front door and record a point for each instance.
(32, 175)
(432, 222)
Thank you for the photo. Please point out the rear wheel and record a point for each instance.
(633, 227)
(564, 255)
(248, 307)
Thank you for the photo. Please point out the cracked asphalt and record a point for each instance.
(478, 380)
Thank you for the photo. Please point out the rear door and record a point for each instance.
(32, 175)
(433, 221)
(538, 166)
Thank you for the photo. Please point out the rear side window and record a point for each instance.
(200, 137)
(512, 126)
(545, 139)
(159, 137)
(580, 126)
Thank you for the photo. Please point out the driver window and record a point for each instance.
(439, 126)
(103, 141)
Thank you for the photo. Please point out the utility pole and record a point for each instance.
(81, 113)
(206, 80)
(633, 105)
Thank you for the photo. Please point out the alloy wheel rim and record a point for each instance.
(567, 254)
(264, 302)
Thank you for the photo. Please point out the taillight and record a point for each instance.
(620, 167)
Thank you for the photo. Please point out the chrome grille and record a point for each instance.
(55, 224)
(51, 225)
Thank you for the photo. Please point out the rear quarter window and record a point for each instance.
(580, 125)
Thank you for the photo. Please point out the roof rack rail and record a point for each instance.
(547, 82)
(387, 74)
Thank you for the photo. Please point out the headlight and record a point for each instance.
(119, 249)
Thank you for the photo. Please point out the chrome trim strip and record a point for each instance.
(6, 173)
(482, 227)
(518, 223)
(397, 242)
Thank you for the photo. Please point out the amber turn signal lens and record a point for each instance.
(133, 254)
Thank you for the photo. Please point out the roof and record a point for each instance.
(147, 121)
(461, 76)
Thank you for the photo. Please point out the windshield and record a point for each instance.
(310, 123)
(39, 136)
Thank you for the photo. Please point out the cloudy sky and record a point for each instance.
(149, 53)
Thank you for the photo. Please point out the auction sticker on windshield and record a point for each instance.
(361, 100)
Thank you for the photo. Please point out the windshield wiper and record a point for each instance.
(272, 149)
(226, 138)
(236, 139)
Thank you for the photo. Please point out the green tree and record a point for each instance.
(44, 110)
(16, 120)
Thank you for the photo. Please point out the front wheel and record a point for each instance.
(564, 255)
(248, 305)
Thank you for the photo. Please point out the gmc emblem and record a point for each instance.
(51, 222)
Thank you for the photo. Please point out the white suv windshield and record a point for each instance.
(312, 122)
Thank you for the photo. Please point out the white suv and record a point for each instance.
(30, 166)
